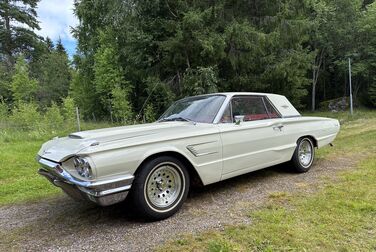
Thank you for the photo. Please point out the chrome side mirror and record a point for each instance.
(239, 119)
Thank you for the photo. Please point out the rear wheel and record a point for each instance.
(304, 155)
(160, 188)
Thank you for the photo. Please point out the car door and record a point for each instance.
(255, 141)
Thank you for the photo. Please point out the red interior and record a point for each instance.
(256, 117)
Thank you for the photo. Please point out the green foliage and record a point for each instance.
(17, 24)
(121, 107)
(154, 52)
(109, 82)
(4, 110)
(68, 109)
(53, 119)
(23, 87)
(26, 116)
(149, 113)
(54, 76)
(200, 81)
(5, 80)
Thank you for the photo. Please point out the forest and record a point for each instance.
(134, 58)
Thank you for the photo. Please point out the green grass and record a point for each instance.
(339, 217)
(19, 181)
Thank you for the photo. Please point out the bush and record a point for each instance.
(68, 110)
(53, 118)
(149, 113)
(121, 106)
(26, 116)
(3, 111)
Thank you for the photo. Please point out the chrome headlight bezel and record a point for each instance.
(82, 167)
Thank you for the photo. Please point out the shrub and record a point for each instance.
(53, 118)
(68, 110)
(149, 113)
(3, 111)
(121, 106)
(26, 116)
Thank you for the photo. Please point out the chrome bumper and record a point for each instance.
(102, 192)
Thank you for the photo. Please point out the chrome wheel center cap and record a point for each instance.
(161, 185)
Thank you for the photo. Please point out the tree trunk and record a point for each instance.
(315, 76)
(8, 38)
(313, 91)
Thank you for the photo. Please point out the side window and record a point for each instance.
(251, 107)
(227, 118)
(271, 110)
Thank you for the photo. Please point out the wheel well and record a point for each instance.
(313, 140)
(194, 177)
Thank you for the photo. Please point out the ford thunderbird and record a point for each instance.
(206, 138)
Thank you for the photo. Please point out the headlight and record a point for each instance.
(83, 167)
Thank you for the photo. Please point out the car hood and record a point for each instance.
(86, 142)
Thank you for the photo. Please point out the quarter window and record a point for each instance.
(226, 117)
(271, 110)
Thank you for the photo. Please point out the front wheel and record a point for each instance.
(303, 156)
(160, 187)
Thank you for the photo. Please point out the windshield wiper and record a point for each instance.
(178, 118)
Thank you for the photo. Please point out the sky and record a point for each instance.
(55, 20)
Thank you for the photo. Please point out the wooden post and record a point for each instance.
(351, 97)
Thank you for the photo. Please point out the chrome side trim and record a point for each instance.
(196, 153)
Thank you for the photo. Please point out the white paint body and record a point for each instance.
(217, 151)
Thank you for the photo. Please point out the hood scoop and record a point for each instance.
(74, 136)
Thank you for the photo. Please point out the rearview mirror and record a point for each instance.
(239, 119)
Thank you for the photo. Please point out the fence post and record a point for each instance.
(350, 86)
(78, 119)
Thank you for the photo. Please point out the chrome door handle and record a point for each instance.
(278, 127)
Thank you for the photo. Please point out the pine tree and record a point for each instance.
(60, 47)
(17, 22)
(49, 44)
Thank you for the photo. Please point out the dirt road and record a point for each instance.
(62, 224)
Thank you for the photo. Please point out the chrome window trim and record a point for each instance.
(270, 102)
(214, 94)
(228, 102)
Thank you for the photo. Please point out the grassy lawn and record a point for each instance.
(19, 181)
(340, 217)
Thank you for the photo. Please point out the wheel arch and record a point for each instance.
(193, 174)
(312, 138)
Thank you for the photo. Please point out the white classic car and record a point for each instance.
(206, 138)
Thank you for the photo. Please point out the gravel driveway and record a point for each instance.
(62, 224)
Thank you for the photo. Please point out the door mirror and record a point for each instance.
(239, 119)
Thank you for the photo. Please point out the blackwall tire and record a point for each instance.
(304, 155)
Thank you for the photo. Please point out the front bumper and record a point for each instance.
(102, 192)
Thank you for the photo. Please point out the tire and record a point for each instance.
(160, 188)
(304, 155)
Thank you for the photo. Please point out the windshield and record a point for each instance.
(197, 109)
